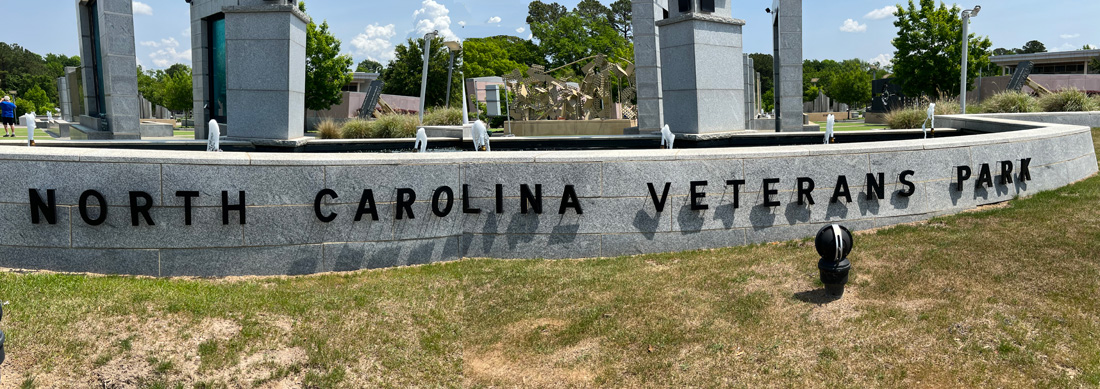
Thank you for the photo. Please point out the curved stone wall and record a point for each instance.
(593, 203)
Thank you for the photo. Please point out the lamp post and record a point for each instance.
(966, 15)
(454, 47)
(424, 77)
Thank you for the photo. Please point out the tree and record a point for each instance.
(1033, 46)
(484, 57)
(539, 12)
(150, 85)
(929, 52)
(178, 94)
(621, 11)
(326, 69)
(38, 97)
(851, 86)
(369, 66)
(1004, 51)
(762, 63)
(176, 69)
(403, 73)
(577, 35)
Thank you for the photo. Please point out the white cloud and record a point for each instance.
(882, 60)
(169, 54)
(520, 30)
(881, 13)
(853, 26)
(167, 42)
(186, 33)
(1066, 47)
(433, 16)
(493, 20)
(142, 9)
(374, 42)
(1070, 36)
(462, 23)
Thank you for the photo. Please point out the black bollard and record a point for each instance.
(834, 243)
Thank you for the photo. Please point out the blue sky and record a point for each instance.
(370, 28)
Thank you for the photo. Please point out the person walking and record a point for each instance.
(7, 116)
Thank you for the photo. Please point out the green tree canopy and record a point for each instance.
(929, 52)
(1032, 46)
(178, 94)
(38, 97)
(484, 57)
(567, 37)
(369, 66)
(403, 73)
(851, 86)
(326, 69)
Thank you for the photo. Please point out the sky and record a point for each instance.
(836, 30)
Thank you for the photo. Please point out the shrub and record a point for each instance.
(443, 117)
(355, 129)
(1069, 100)
(908, 117)
(328, 129)
(23, 106)
(948, 106)
(394, 126)
(1010, 102)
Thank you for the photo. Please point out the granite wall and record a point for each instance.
(613, 212)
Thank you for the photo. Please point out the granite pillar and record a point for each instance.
(702, 70)
(109, 66)
(264, 67)
(787, 41)
(647, 62)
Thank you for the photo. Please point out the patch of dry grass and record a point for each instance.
(1001, 297)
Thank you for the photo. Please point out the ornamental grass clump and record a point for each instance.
(947, 106)
(328, 129)
(908, 117)
(1010, 102)
(443, 117)
(394, 126)
(1068, 100)
(356, 129)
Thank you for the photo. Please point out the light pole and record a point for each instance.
(454, 47)
(966, 15)
(424, 77)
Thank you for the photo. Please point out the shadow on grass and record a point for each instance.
(816, 296)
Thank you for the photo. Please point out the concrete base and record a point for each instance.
(702, 74)
(571, 127)
(156, 130)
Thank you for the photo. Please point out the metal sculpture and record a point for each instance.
(539, 96)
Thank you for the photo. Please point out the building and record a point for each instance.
(352, 100)
(1058, 62)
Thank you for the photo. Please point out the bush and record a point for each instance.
(443, 117)
(328, 129)
(908, 117)
(355, 129)
(1069, 100)
(1010, 102)
(948, 106)
(23, 106)
(394, 126)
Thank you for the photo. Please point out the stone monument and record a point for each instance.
(647, 62)
(249, 67)
(702, 75)
(787, 43)
(109, 65)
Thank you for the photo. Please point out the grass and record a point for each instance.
(854, 126)
(21, 133)
(1002, 297)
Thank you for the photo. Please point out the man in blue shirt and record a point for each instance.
(7, 116)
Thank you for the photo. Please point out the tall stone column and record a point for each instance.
(647, 62)
(787, 41)
(264, 63)
(702, 70)
(109, 65)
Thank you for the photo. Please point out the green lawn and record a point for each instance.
(21, 133)
(1002, 297)
(855, 126)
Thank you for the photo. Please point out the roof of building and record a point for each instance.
(363, 77)
(1049, 57)
(488, 79)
